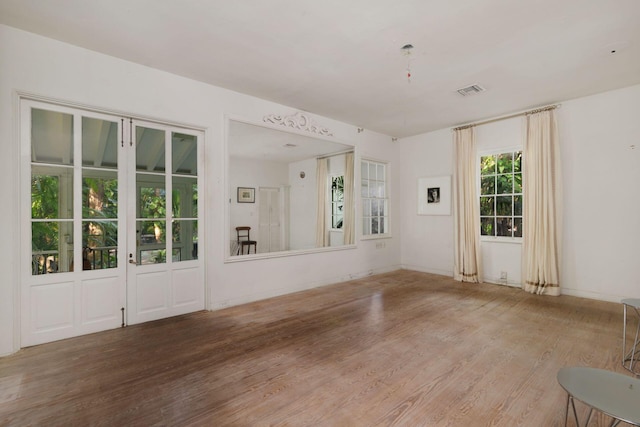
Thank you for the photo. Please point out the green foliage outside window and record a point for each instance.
(501, 194)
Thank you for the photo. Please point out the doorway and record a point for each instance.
(272, 219)
(111, 223)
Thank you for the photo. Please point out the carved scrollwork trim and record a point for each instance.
(299, 121)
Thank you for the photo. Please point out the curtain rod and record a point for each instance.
(510, 116)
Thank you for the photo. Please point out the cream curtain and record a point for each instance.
(541, 205)
(348, 222)
(322, 236)
(467, 265)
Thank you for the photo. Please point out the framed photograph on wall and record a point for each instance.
(246, 195)
(434, 195)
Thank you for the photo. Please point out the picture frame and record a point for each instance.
(246, 195)
(434, 195)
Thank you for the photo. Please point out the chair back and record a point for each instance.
(243, 233)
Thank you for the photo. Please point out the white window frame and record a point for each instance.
(493, 152)
(385, 199)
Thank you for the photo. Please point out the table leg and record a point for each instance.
(624, 334)
(632, 355)
(588, 418)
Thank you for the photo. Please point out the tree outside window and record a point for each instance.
(337, 201)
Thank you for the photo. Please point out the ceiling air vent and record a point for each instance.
(470, 90)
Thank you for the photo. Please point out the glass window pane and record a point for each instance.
(364, 189)
(488, 185)
(194, 199)
(384, 222)
(152, 201)
(504, 163)
(517, 161)
(184, 154)
(99, 194)
(152, 232)
(380, 173)
(99, 245)
(504, 205)
(150, 152)
(364, 170)
(185, 197)
(99, 143)
(517, 183)
(372, 171)
(373, 189)
(51, 246)
(366, 207)
(503, 227)
(487, 165)
(517, 205)
(486, 227)
(185, 238)
(517, 227)
(366, 226)
(383, 207)
(153, 256)
(51, 192)
(487, 206)
(51, 137)
(152, 241)
(505, 184)
(375, 208)
(374, 226)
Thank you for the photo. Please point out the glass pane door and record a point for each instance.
(73, 281)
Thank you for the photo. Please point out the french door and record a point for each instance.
(111, 222)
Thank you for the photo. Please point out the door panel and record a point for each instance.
(51, 308)
(269, 214)
(99, 297)
(107, 222)
(72, 282)
(164, 273)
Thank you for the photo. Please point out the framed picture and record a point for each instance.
(246, 195)
(434, 195)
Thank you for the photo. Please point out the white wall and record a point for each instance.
(600, 145)
(427, 240)
(253, 174)
(303, 204)
(49, 68)
(600, 138)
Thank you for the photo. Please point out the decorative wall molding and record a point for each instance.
(299, 121)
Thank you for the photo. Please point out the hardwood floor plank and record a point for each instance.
(398, 349)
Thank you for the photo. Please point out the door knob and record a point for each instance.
(132, 261)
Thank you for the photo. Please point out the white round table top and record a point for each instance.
(609, 392)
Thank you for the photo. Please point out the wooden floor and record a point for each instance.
(404, 348)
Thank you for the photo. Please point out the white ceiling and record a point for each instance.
(342, 58)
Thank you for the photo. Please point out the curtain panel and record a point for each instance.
(541, 205)
(466, 212)
(322, 235)
(349, 210)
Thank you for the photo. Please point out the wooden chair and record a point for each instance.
(244, 240)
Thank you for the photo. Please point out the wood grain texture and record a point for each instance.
(397, 349)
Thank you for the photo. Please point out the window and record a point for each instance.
(501, 194)
(375, 209)
(337, 201)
